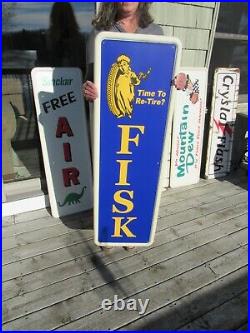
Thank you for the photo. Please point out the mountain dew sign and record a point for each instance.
(64, 139)
(188, 126)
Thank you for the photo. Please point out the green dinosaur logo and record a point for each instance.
(72, 198)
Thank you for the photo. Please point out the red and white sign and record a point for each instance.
(222, 121)
(64, 138)
(188, 126)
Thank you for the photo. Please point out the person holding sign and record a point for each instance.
(131, 17)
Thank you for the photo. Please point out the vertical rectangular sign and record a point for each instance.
(64, 138)
(188, 128)
(131, 118)
(222, 121)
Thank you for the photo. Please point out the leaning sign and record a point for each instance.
(222, 121)
(188, 126)
(64, 138)
(131, 118)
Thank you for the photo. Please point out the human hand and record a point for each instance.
(90, 91)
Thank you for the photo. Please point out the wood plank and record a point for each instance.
(161, 299)
(78, 251)
(194, 39)
(183, 229)
(201, 183)
(233, 195)
(237, 179)
(24, 238)
(43, 278)
(171, 195)
(29, 250)
(115, 267)
(176, 196)
(199, 212)
(193, 218)
(113, 280)
(198, 221)
(218, 319)
(182, 15)
(243, 240)
(18, 229)
(74, 222)
(190, 307)
(41, 235)
(38, 224)
(31, 216)
(193, 58)
(159, 295)
(216, 266)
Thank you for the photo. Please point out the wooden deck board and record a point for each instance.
(231, 314)
(43, 278)
(125, 283)
(188, 208)
(55, 277)
(161, 294)
(192, 306)
(77, 252)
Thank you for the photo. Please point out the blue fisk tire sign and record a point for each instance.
(131, 118)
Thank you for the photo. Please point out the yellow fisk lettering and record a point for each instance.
(125, 138)
(122, 227)
(125, 202)
(123, 172)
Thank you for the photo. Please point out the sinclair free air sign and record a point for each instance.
(64, 138)
(222, 121)
(131, 119)
(188, 126)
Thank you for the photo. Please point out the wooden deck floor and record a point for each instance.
(195, 274)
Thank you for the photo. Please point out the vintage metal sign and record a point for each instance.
(131, 118)
(222, 121)
(188, 126)
(64, 138)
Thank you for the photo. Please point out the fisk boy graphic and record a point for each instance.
(121, 87)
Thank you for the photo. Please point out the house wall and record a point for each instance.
(193, 23)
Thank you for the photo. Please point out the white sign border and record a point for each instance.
(96, 126)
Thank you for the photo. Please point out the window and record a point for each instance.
(28, 42)
(231, 41)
